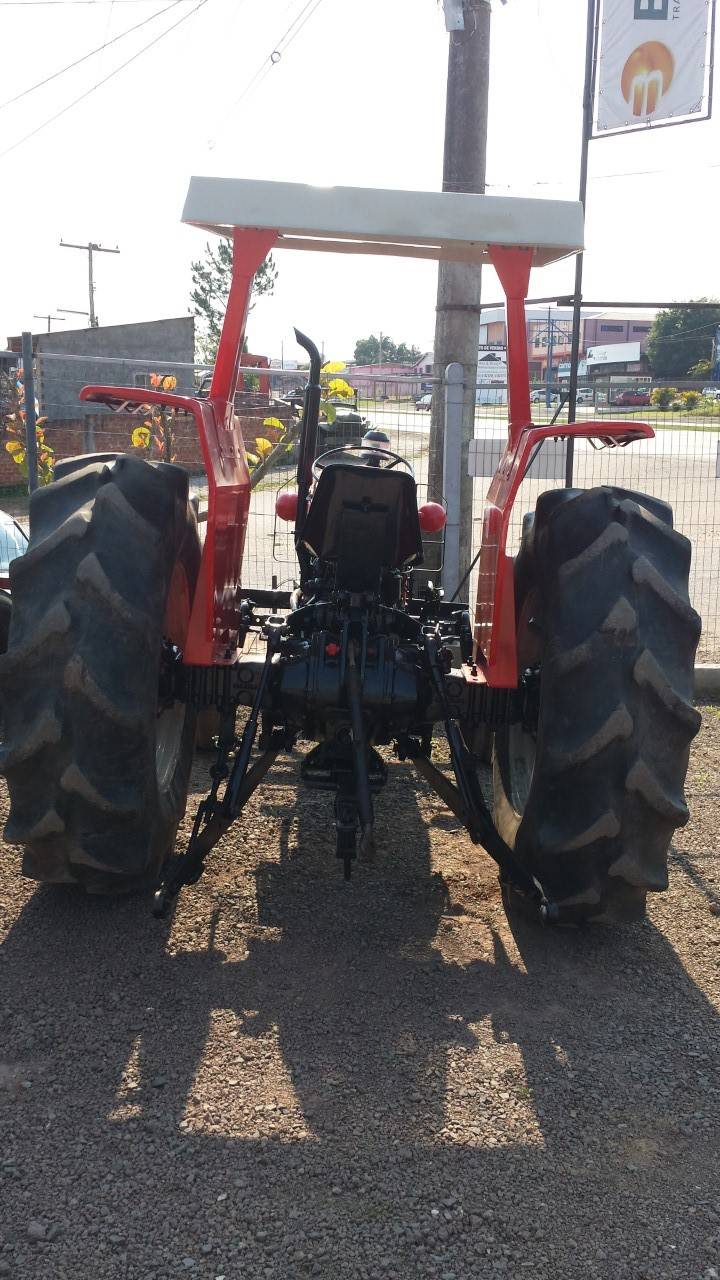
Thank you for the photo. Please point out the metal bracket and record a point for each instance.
(454, 15)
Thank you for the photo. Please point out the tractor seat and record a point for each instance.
(366, 520)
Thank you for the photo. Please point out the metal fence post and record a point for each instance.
(452, 449)
(30, 422)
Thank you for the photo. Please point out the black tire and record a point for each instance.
(5, 615)
(590, 790)
(97, 776)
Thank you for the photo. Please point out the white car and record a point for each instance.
(540, 397)
(585, 395)
(712, 393)
(13, 543)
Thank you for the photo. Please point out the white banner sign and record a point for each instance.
(614, 353)
(653, 62)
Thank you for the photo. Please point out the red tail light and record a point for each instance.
(286, 505)
(432, 517)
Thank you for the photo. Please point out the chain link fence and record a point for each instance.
(681, 465)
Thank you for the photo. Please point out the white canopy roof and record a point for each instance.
(419, 224)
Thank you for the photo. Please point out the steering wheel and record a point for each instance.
(366, 455)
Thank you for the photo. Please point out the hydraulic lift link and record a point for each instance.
(467, 800)
(363, 795)
(214, 817)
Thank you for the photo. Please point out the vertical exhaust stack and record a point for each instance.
(308, 445)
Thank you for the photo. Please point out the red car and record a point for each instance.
(632, 398)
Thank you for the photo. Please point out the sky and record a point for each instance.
(357, 97)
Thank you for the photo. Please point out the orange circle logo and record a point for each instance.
(646, 76)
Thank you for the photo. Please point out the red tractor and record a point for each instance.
(125, 626)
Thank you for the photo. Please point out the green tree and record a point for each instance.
(367, 351)
(680, 337)
(703, 369)
(407, 355)
(211, 277)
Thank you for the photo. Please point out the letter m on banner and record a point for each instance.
(653, 64)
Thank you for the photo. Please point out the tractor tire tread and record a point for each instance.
(79, 682)
(616, 709)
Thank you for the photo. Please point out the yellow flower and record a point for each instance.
(275, 423)
(141, 437)
(13, 446)
(169, 383)
(252, 458)
(263, 446)
(334, 366)
(341, 389)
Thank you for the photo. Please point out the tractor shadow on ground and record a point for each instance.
(686, 864)
(366, 1031)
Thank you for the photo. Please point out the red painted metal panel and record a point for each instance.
(495, 650)
(212, 637)
(250, 248)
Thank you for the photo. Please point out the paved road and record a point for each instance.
(675, 440)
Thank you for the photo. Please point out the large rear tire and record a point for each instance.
(97, 768)
(5, 616)
(589, 790)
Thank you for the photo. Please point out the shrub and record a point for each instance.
(662, 397)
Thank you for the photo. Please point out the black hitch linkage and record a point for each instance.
(214, 816)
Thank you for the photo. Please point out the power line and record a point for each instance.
(679, 337)
(26, 137)
(595, 177)
(37, 4)
(275, 54)
(274, 57)
(106, 45)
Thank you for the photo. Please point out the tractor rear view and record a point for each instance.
(125, 624)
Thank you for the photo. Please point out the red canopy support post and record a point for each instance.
(250, 248)
(513, 269)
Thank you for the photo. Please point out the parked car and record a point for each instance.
(712, 393)
(585, 395)
(13, 543)
(631, 398)
(540, 397)
(425, 402)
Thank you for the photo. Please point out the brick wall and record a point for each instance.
(111, 433)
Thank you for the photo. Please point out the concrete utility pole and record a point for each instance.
(457, 325)
(90, 248)
(30, 415)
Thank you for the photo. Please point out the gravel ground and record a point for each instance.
(295, 1078)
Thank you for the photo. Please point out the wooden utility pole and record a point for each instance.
(457, 325)
(90, 248)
